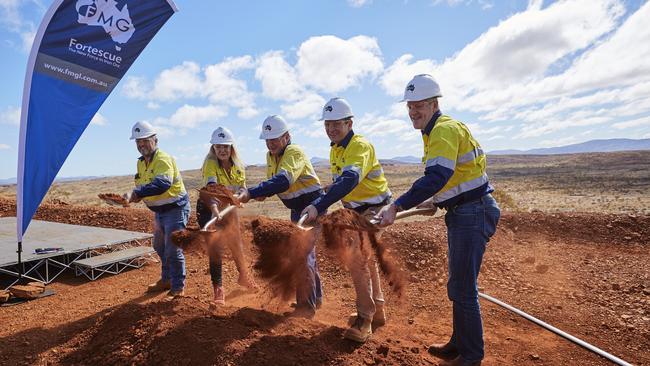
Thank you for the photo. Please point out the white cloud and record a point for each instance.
(310, 105)
(10, 116)
(153, 105)
(376, 125)
(558, 141)
(484, 4)
(397, 75)
(98, 120)
(217, 83)
(639, 122)
(4, 147)
(570, 64)
(181, 81)
(189, 116)
(359, 3)
(279, 79)
(332, 64)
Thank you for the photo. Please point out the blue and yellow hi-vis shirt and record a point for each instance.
(233, 178)
(159, 183)
(358, 178)
(454, 166)
(291, 177)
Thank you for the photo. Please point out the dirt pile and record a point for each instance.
(191, 238)
(283, 249)
(344, 229)
(113, 199)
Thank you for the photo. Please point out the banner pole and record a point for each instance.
(20, 262)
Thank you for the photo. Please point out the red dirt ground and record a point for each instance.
(586, 274)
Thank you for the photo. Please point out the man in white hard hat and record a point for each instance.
(358, 182)
(159, 185)
(455, 179)
(292, 178)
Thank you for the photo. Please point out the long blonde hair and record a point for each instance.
(234, 157)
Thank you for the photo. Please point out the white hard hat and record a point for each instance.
(142, 130)
(273, 127)
(421, 87)
(222, 136)
(336, 109)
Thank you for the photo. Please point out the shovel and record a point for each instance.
(376, 221)
(217, 216)
(407, 213)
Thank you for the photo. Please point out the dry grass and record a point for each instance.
(602, 182)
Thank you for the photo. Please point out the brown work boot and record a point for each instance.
(360, 331)
(219, 295)
(302, 311)
(174, 294)
(445, 351)
(159, 286)
(459, 361)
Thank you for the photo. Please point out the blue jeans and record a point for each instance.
(310, 292)
(469, 228)
(171, 257)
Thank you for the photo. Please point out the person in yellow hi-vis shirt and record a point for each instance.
(454, 179)
(359, 183)
(222, 166)
(292, 177)
(159, 185)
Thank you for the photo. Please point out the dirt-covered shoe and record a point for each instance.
(306, 312)
(444, 351)
(174, 294)
(379, 319)
(219, 296)
(159, 286)
(360, 331)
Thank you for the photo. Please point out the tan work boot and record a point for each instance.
(174, 294)
(219, 296)
(159, 286)
(378, 320)
(360, 331)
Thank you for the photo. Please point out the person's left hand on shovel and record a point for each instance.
(132, 197)
(311, 212)
(387, 215)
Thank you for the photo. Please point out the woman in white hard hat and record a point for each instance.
(222, 166)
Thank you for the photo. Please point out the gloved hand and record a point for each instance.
(243, 195)
(387, 215)
(132, 197)
(311, 212)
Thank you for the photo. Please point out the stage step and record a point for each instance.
(113, 262)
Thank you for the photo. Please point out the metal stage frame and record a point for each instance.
(78, 242)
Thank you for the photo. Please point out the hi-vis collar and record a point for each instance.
(429, 127)
(153, 156)
(346, 140)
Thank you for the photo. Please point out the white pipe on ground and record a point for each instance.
(568, 336)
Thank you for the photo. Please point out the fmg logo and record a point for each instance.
(104, 13)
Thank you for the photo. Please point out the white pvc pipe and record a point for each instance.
(568, 336)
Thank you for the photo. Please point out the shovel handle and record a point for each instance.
(407, 213)
(218, 217)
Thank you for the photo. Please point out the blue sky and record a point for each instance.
(521, 74)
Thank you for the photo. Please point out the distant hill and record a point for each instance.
(606, 145)
(10, 181)
(316, 161)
